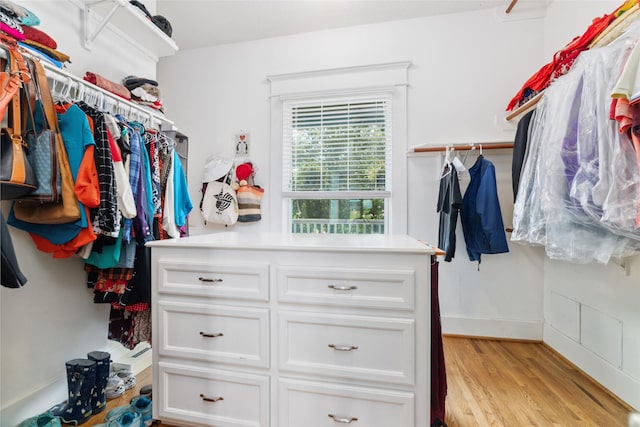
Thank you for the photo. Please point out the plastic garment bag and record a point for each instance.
(578, 194)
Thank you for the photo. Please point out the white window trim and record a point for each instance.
(375, 78)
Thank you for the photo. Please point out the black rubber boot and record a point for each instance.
(99, 397)
(81, 380)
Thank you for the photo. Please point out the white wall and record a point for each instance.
(53, 319)
(465, 68)
(591, 311)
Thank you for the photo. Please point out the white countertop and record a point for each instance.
(280, 241)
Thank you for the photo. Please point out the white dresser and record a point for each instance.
(291, 331)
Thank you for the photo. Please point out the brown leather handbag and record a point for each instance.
(13, 74)
(67, 209)
(16, 174)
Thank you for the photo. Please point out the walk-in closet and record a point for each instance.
(319, 213)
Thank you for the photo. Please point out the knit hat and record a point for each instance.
(244, 171)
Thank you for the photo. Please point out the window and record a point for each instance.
(337, 163)
(338, 145)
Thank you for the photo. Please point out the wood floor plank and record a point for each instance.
(504, 384)
(524, 384)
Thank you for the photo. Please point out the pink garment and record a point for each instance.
(623, 114)
(11, 32)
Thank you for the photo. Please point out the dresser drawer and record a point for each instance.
(308, 404)
(374, 288)
(242, 281)
(347, 346)
(214, 333)
(211, 397)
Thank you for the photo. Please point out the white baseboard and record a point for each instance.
(506, 329)
(625, 387)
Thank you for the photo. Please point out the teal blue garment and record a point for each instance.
(146, 171)
(110, 255)
(181, 199)
(77, 136)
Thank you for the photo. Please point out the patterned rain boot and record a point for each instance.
(81, 380)
(98, 397)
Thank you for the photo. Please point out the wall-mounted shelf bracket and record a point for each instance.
(127, 20)
(89, 37)
(623, 263)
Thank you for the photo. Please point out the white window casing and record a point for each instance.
(343, 94)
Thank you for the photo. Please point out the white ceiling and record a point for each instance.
(213, 22)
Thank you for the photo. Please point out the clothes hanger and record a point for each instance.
(446, 169)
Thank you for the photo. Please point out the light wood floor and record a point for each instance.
(506, 383)
(502, 383)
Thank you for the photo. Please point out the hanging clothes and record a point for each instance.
(481, 217)
(519, 150)
(438, 368)
(580, 182)
(12, 276)
(561, 63)
(449, 205)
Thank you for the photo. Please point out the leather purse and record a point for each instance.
(67, 209)
(42, 142)
(16, 174)
(14, 73)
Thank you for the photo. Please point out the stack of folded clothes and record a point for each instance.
(144, 92)
(19, 23)
(108, 85)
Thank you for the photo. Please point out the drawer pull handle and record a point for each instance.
(343, 288)
(343, 419)
(204, 279)
(211, 399)
(343, 347)
(219, 334)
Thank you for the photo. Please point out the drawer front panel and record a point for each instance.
(212, 397)
(210, 280)
(308, 404)
(214, 333)
(345, 346)
(374, 288)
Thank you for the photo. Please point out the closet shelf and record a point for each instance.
(526, 107)
(129, 20)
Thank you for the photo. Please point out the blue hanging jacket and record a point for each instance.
(481, 217)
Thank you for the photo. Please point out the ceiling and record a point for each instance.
(214, 22)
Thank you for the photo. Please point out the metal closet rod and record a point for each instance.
(464, 147)
(57, 73)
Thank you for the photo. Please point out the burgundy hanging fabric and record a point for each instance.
(438, 372)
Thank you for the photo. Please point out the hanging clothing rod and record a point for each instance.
(60, 75)
(527, 106)
(464, 147)
(119, 104)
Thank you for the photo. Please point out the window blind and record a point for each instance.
(339, 146)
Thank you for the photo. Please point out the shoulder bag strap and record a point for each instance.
(45, 97)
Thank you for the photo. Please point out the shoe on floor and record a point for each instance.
(115, 387)
(127, 377)
(143, 406)
(122, 416)
(42, 420)
(146, 390)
